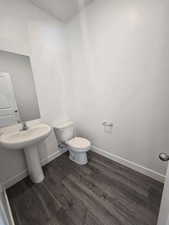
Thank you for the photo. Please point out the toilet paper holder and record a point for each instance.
(107, 124)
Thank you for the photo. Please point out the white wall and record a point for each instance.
(120, 67)
(27, 30)
(48, 56)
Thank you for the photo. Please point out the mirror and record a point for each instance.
(8, 107)
(18, 99)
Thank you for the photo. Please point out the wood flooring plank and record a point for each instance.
(121, 212)
(34, 205)
(92, 220)
(102, 192)
(91, 204)
(114, 196)
(72, 206)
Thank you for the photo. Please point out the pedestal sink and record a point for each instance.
(28, 140)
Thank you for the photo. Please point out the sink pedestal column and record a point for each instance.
(33, 164)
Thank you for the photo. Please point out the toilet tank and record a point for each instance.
(64, 131)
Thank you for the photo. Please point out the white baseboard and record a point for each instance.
(141, 169)
(52, 157)
(18, 177)
(13, 180)
(146, 171)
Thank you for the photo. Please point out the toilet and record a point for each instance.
(77, 146)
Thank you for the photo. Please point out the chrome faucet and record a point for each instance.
(24, 125)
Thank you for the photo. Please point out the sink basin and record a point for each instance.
(29, 141)
(22, 139)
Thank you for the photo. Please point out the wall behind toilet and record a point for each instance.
(120, 67)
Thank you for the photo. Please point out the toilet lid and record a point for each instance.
(79, 142)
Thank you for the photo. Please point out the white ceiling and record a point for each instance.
(61, 9)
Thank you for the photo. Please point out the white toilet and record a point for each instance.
(77, 146)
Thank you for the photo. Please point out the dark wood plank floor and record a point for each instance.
(100, 193)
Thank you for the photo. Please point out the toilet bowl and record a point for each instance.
(77, 146)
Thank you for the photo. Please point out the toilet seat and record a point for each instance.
(79, 144)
